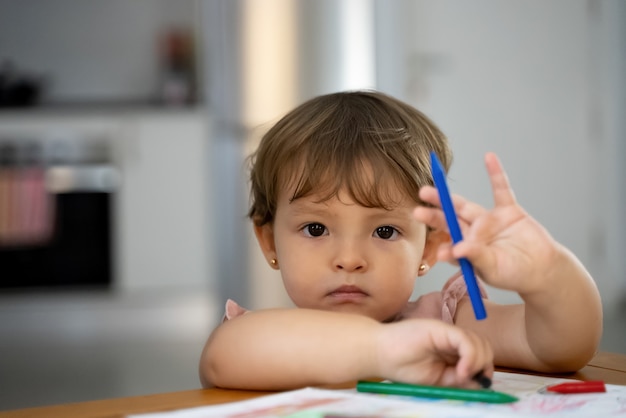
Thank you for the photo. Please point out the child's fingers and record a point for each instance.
(435, 217)
(474, 355)
(467, 213)
(449, 377)
(429, 194)
(466, 210)
(432, 217)
(502, 192)
(445, 254)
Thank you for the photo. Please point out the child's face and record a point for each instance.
(337, 255)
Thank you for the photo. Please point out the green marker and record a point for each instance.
(435, 392)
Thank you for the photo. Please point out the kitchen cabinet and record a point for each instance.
(160, 205)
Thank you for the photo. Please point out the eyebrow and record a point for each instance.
(300, 207)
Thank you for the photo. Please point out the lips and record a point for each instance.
(348, 293)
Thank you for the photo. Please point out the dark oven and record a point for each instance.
(56, 217)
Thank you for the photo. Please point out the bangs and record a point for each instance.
(369, 168)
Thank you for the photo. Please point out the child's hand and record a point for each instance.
(508, 248)
(432, 352)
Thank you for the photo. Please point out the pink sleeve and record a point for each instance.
(441, 304)
(232, 310)
(453, 291)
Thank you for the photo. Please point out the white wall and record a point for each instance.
(518, 78)
(91, 50)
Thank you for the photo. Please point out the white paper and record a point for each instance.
(305, 402)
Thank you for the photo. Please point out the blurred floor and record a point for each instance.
(63, 348)
(71, 347)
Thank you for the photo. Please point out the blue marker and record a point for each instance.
(455, 232)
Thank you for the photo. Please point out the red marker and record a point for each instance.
(578, 387)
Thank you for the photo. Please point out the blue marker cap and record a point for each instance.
(455, 232)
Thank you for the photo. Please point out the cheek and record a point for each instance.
(298, 276)
(299, 291)
(405, 261)
(400, 269)
(404, 282)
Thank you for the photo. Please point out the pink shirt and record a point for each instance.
(435, 305)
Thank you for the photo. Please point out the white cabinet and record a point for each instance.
(163, 201)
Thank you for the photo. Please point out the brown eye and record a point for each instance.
(386, 232)
(315, 230)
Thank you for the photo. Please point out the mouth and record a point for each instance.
(345, 294)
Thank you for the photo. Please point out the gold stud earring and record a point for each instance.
(424, 268)
(273, 262)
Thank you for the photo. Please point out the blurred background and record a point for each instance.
(123, 132)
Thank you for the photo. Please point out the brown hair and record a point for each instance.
(328, 143)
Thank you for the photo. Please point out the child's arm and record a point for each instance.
(560, 323)
(291, 348)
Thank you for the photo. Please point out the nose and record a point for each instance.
(350, 256)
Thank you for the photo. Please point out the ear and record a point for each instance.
(265, 237)
(433, 240)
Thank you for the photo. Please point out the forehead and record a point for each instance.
(362, 185)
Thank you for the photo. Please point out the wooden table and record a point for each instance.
(610, 367)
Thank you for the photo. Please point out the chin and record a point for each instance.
(359, 310)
